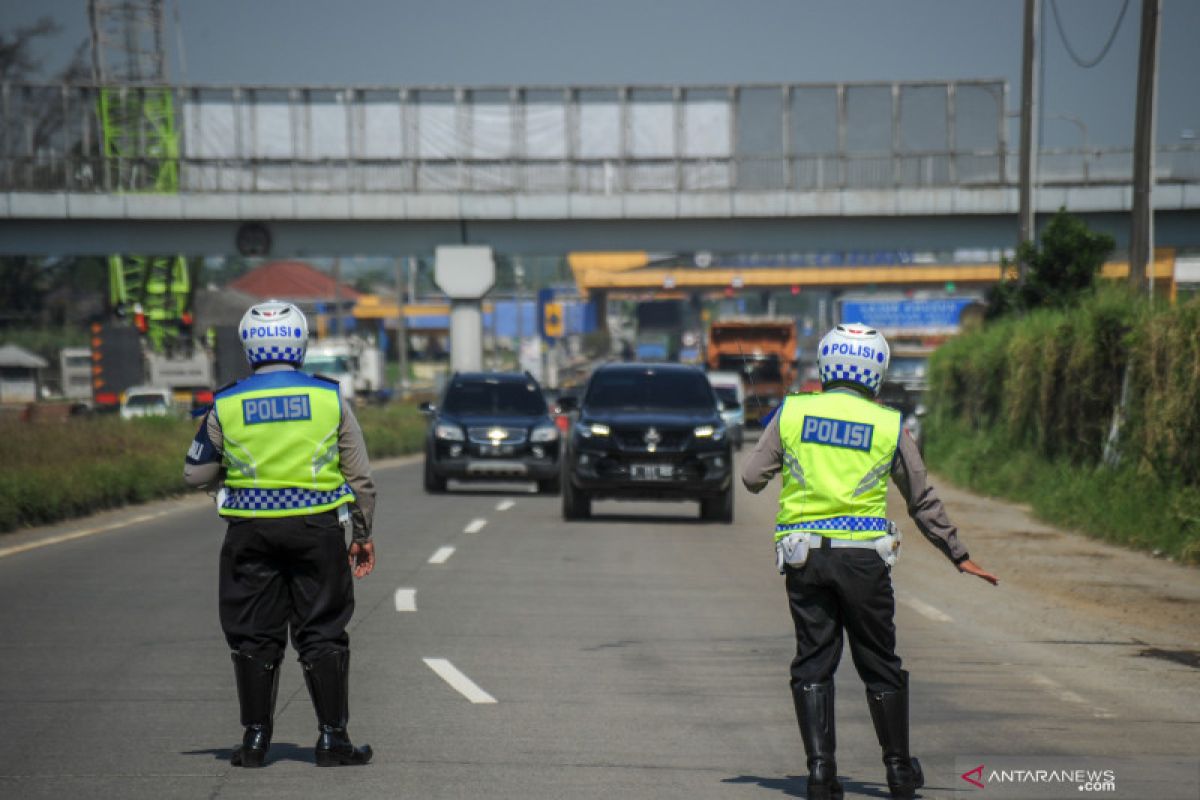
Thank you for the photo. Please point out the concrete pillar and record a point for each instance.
(465, 274)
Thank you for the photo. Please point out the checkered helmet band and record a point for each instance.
(853, 353)
(274, 332)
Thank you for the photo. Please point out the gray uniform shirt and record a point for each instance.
(352, 456)
(908, 473)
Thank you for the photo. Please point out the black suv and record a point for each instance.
(649, 431)
(492, 426)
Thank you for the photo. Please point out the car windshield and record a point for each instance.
(728, 394)
(758, 368)
(139, 400)
(327, 365)
(907, 367)
(494, 397)
(650, 390)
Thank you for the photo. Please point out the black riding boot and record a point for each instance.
(814, 710)
(328, 679)
(889, 712)
(257, 686)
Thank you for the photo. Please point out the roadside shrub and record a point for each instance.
(87, 464)
(1036, 396)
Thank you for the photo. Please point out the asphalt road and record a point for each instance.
(641, 655)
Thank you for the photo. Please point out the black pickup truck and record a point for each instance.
(648, 432)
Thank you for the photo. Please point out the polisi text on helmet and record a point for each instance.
(260, 331)
(848, 349)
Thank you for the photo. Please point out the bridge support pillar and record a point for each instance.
(465, 274)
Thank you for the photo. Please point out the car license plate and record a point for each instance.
(652, 472)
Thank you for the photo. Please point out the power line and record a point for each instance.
(1062, 34)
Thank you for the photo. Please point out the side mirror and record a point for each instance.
(568, 404)
(426, 408)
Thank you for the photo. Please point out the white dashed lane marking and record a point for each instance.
(458, 681)
(406, 599)
(925, 610)
(475, 525)
(505, 505)
(441, 555)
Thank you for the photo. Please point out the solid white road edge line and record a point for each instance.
(181, 504)
(66, 537)
(1067, 696)
(475, 525)
(441, 555)
(925, 610)
(505, 505)
(459, 682)
(406, 599)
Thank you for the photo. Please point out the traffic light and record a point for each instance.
(116, 362)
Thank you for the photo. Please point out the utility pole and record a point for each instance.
(1141, 228)
(1026, 227)
(519, 279)
(402, 324)
(337, 297)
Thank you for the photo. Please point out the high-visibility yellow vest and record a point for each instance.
(281, 446)
(837, 454)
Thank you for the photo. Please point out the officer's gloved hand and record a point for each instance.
(362, 557)
(362, 549)
(971, 568)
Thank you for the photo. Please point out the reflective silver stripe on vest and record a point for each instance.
(793, 467)
(877, 472)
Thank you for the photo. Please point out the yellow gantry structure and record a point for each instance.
(632, 271)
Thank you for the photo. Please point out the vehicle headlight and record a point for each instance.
(714, 432)
(448, 432)
(590, 429)
(544, 433)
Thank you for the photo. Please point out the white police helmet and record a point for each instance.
(274, 332)
(853, 354)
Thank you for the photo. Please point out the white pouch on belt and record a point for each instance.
(791, 550)
(888, 546)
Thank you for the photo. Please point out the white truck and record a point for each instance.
(356, 364)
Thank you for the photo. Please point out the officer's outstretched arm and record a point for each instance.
(927, 511)
(766, 459)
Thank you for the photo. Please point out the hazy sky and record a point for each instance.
(471, 42)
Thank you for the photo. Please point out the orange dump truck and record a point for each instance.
(763, 352)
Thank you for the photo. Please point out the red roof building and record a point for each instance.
(294, 281)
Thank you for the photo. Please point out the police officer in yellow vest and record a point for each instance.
(836, 546)
(296, 481)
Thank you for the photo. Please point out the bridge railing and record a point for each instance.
(530, 140)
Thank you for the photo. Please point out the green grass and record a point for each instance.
(60, 470)
(1127, 506)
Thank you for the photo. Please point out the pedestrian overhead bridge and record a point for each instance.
(397, 170)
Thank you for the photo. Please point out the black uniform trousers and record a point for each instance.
(283, 572)
(843, 588)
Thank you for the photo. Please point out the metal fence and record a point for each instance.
(595, 140)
